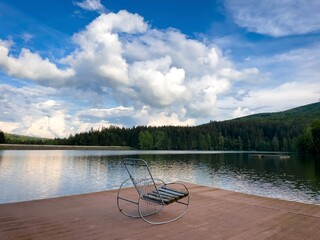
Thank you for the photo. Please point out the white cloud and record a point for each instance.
(276, 18)
(195, 57)
(296, 65)
(91, 5)
(207, 73)
(8, 126)
(28, 111)
(157, 83)
(124, 72)
(286, 95)
(15, 102)
(204, 96)
(154, 117)
(99, 60)
(31, 66)
(173, 119)
(241, 112)
(247, 74)
(107, 113)
(270, 99)
(291, 79)
(119, 53)
(48, 126)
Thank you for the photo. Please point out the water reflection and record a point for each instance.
(27, 175)
(292, 179)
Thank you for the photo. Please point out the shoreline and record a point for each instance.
(60, 147)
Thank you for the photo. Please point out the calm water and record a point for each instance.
(28, 175)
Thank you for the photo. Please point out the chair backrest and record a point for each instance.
(140, 175)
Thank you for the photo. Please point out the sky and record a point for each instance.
(71, 66)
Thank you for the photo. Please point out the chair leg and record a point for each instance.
(122, 199)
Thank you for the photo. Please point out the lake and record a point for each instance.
(31, 174)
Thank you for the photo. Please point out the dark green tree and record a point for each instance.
(285, 145)
(160, 140)
(315, 131)
(221, 141)
(305, 141)
(203, 142)
(275, 144)
(2, 138)
(240, 143)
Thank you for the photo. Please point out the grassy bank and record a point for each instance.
(59, 147)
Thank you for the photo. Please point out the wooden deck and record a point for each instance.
(212, 214)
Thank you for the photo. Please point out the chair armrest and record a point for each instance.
(156, 180)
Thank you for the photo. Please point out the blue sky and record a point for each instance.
(69, 66)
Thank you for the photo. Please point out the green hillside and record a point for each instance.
(15, 138)
(304, 114)
(289, 130)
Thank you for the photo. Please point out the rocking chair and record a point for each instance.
(152, 196)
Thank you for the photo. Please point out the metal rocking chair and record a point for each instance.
(154, 201)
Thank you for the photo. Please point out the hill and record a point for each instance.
(21, 139)
(304, 114)
(287, 131)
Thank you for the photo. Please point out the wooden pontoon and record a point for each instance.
(212, 214)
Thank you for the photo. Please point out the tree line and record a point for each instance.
(246, 135)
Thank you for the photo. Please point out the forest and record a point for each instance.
(293, 130)
(242, 135)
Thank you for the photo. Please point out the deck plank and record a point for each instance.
(212, 214)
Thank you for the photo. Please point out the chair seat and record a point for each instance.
(166, 197)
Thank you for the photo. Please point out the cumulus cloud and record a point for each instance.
(98, 61)
(276, 18)
(156, 82)
(207, 73)
(36, 112)
(31, 66)
(121, 54)
(125, 70)
(91, 5)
